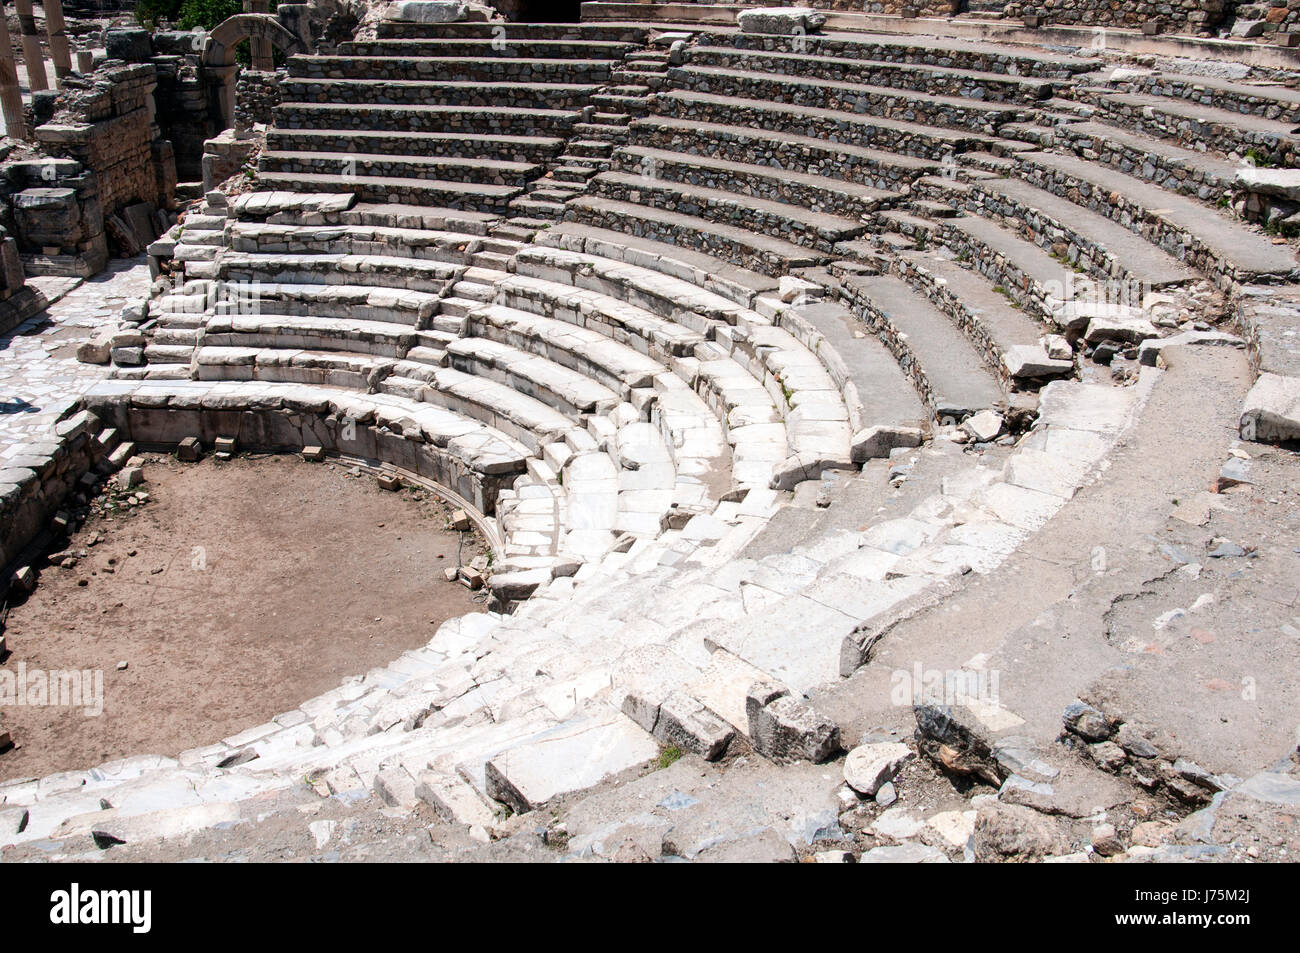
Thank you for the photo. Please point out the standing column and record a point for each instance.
(11, 100)
(57, 31)
(36, 78)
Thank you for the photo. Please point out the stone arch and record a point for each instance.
(219, 52)
(220, 49)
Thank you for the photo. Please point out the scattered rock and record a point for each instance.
(984, 426)
(870, 766)
(1105, 841)
(1087, 722)
(1009, 832)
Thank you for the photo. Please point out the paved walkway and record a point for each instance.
(39, 373)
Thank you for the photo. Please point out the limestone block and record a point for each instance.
(783, 21)
(784, 729)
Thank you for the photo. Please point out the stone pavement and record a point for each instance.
(39, 372)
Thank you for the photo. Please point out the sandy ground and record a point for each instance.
(238, 591)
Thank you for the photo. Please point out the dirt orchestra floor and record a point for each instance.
(239, 590)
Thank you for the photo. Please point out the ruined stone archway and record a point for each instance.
(219, 53)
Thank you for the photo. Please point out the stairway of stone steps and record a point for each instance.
(589, 677)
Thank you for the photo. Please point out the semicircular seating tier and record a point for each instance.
(646, 295)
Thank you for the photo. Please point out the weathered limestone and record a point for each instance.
(1272, 409)
(785, 21)
(782, 728)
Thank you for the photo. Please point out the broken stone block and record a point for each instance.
(313, 454)
(453, 800)
(130, 44)
(869, 767)
(1057, 347)
(189, 450)
(24, 580)
(98, 349)
(782, 21)
(470, 578)
(1029, 360)
(130, 476)
(783, 729)
(224, 445)
(795, 289)
(686, 723)
(1272, 409)
(460, 521)
(984, 426)
(388, 481)
(569, 757)
(1124, 330)
(396, 787)
(877, 442)
(427, 11)
(1105, 841)
(514, 586)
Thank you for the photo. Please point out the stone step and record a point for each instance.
(481, 47)
(589, 352)
(344, 300)
(628, 33)
(1195, 126)
(817, 193)
(335, 270)
(817, 230)
(536, 209)
(1019, 268)
(1078, 236)
(944, 111)
(452, 247)
(699, 270)
(303, 332)
(424, 68)
(1159, 161)
(942, 363)
(611, 134)
(873, 128)
(156, 353)
(877, 393)
(566, 390)
(473, 196)
(593, 148)
(379, 92)
(341, 369)
(922, 77)
(1000, 58)
(782, 152)
(517, 415)
(683, 302)
(476, 120)
(397, 215)
(1008, 339)
(636, 327)
(1202, 237)
(1271, 101)
(741, 246)
(505, 148)
(441, 168)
